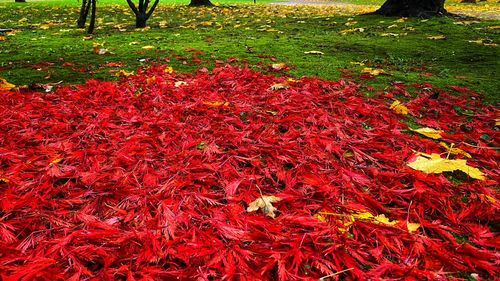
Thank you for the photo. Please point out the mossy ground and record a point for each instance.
(47, 47)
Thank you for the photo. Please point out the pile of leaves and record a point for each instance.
(237, 175)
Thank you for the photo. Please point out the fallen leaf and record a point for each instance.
(373, 71)
(265, 204)
(429, 132)
(412, 227)
(169, 70)
(6, 86)
(124, 73)
(314, 53)
(180, 83)
(399, 108)
(437, 37)
(278, 66)
(2, 38)
(149, 47)
(434, 164)
(455, 151)
(278, 86)
(216, 103)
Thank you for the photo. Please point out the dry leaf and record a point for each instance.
(2, 38)
(124, 73)
(6, 86)
(434, 164)
(149, 47)
(265, 204)
(278, 66)
(180, 83)
(373, 71)
(437, 37)
(429, 132)
(278, 86)
(314, 53)
(216, 103)
(169, 70)
(399, 108)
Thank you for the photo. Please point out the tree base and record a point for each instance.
(411, 8)
(198, 3)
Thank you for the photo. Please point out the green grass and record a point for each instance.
(256, 34)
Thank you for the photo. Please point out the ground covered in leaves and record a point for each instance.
(232, 174)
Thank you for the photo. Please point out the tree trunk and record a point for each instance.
(195, 3)
(412, 8)
(20, 1)
(90, 30)
(141, 12)
(84, 12)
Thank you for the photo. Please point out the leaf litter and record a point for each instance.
(148, 179)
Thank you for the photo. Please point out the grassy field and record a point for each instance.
(46, 47)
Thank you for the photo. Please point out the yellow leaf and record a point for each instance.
(434, 164)
(124, 73)
(278, 66)
(497, 122)
(486, 197)
(397, 107)
(412, 227)
(216, 103)
(169, 70)
(429, 132)
(265, 204)
(357, 63)
(6, 86)
(437, 37)
(88, 37)
(278, 86)
(383, 219)
(372, 71)
(56, 160)
(4, 180)
(149, 47)
(314, 53)
(317, 216)
(455, 151)
(2, 38)
(363, 215)
(494, 27)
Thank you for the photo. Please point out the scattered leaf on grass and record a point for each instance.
(437, 37)
(429, 132)
(265, 204)
(314, 53)
(124, 73)
(434, 164)
(373, 71)
(278, 66)
(149, 47)
(6, 86)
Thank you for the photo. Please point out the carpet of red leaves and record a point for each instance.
(149, 179)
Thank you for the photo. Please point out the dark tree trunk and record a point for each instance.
(90, 30)
(141, 11)
(412, 8)
(195, 3)
(21, 1)
(84, 12)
